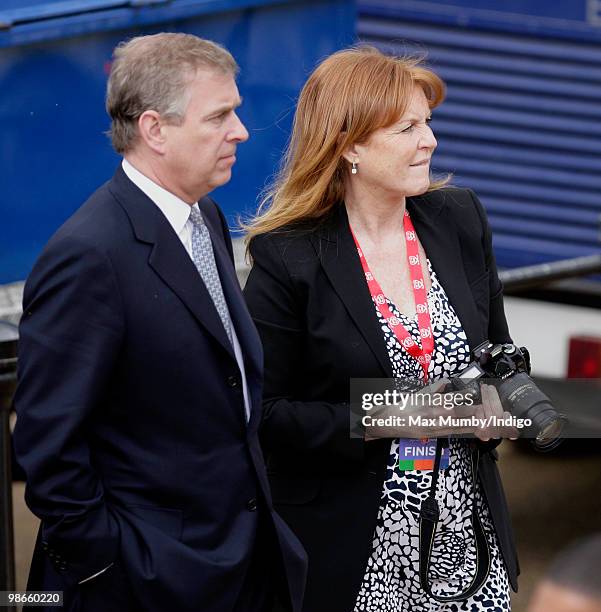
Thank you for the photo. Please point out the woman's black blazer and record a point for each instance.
(308, 297)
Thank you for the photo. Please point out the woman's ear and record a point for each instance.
(351, 154)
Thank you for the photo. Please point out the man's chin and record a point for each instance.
(221, 179)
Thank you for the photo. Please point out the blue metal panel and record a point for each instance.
(521, 126)
(478, 40)
(108, 16)
(53, 151)
(13, 12)
(563, 10)
(511, 170)
(577, 20)
(500, 152)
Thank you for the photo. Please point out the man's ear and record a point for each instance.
(151, 129)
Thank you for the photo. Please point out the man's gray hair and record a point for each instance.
(153, 73)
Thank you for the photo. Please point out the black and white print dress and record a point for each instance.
(391, 580)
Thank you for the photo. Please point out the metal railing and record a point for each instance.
(541, 274)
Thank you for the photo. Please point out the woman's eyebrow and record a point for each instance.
(414, 117)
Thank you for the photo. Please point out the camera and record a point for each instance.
(508, 367)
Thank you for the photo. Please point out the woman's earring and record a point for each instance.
(354, 168)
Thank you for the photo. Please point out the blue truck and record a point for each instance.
(521, 124)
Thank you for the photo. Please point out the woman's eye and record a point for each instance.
(411, 127)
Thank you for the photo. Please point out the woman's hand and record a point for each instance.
(427, 413)
(431, 414)
(490, 410)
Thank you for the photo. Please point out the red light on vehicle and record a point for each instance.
(585, 357)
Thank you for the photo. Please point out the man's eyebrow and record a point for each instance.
(225, 108)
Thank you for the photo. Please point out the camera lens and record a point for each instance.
(520, 396)
(550, 434)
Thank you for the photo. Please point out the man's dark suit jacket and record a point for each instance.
(131, 421)
(308, 297)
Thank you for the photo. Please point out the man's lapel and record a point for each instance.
(168, 257)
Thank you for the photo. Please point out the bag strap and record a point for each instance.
(428, 520)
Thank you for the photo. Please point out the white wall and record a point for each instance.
(545, 329)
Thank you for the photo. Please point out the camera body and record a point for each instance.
(507, 367)
(496, 361)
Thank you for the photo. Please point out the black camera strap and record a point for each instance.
(428, 520)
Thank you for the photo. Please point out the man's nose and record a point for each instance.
(239, 132)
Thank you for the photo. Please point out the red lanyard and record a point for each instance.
(422, 354)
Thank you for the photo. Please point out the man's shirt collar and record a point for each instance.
(176, 210)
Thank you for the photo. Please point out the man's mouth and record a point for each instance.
(423, 162)
(231, 156)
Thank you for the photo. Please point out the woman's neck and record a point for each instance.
(375, 220)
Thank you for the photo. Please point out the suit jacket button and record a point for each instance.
(251, 505)
(232, 381)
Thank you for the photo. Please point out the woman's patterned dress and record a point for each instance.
(391, 580)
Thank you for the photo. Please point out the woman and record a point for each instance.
(358, 159)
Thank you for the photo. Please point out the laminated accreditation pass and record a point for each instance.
(419, 455)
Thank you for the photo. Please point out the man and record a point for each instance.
(140, 370)
(572, 583)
